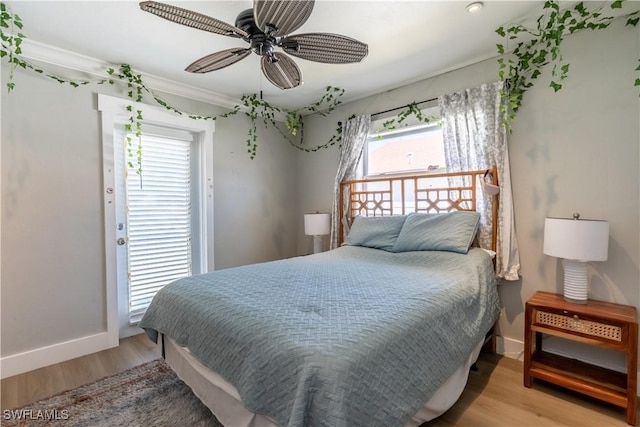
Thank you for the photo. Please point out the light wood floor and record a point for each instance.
(493, 397)
(22, 389)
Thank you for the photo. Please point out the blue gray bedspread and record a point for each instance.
(349, 337)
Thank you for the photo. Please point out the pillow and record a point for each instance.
(476, 244)
(491, 253)
(378, 232)
(453, 232)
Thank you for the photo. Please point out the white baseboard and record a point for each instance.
(511, 348)
(40, 357)
(515, 349)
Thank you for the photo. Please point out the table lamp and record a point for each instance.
(317, 225)
(577, 241)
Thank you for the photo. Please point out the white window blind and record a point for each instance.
(159, 219)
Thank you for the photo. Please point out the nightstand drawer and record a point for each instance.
(573, 322)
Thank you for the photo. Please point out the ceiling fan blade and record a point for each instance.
(281, 17)
(281, 71)
(218, 60)
(192, 19)
(325, 47)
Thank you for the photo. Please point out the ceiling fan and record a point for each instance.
(267, 26)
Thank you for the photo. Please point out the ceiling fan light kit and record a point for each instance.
(266, 27)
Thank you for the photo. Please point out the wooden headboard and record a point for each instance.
(425, 192)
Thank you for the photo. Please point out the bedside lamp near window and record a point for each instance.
(317, 225)
(577, 241)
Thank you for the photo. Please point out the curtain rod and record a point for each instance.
(506, 82)
(399, 108)
(404, 106)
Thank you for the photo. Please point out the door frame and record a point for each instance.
(114, 112)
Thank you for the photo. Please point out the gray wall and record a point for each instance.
(571, 151)
(53, 257)
(255, 200)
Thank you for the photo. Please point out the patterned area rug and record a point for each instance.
(147, 395)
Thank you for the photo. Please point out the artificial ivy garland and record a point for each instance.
(257, 108)
(537, 47)
(410, 110)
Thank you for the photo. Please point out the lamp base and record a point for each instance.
(318, 244)
(576, 281)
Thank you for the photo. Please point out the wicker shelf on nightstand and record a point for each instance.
(597, 323)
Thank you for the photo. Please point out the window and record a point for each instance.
(418, 147)
(410, 149)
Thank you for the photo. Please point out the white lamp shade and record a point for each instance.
(317, 224)
(576, 239)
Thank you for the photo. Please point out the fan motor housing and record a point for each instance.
(261, 43)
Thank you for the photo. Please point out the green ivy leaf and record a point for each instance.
(540, 58)
(616, 4)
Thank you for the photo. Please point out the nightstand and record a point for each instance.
(598, 323)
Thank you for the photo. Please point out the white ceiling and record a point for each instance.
(408, 41)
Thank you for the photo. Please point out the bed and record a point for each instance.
(379, 331)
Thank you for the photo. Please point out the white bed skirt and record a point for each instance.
(223, 399)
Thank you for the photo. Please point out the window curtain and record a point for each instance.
(474, 139)
(354, 136)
